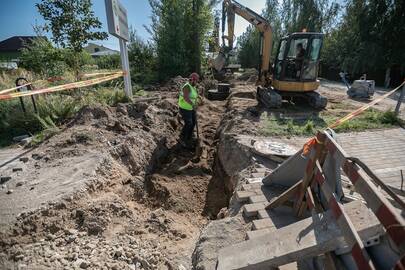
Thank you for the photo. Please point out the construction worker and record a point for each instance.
(299, 59)
(187, 105)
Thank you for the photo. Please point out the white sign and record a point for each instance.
(117, 19)
(118, 26)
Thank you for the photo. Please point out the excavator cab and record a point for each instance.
(297, 62)
(295, 67)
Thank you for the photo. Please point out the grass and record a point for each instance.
(54, 110)
(370, 119)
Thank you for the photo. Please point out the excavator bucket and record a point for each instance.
(219, 62)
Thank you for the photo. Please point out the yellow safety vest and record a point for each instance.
(193, 97)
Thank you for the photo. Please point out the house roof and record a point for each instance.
(102, 53)
(16, 43)
(89, 48)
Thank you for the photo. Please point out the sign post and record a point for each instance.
(117, 21)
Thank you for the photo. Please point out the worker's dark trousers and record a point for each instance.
(189, 124)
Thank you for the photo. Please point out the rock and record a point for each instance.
(50, 236)
(19, 184)
(223, 213)
(71, 232)
(24, 159)
(37, 156)
(18, 169)
(121, 108)
(116, 207)
(19, 257)
(118, 253)
(4, 179)
(70, 238)
(83, 264)
(93, 228)
(90, 246)
(10, 191)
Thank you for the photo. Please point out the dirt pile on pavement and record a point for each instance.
(139, 204)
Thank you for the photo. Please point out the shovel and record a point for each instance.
(198, 146)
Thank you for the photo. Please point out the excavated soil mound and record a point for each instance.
(140, 203)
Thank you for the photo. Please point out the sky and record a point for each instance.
(17, 18)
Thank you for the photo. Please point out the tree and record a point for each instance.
(249, 48)
(286, 17)
(180, 33)
(312, 15)
(72, 23)
(369, 39)
(42, 58)
(142, 59)
(249, 41)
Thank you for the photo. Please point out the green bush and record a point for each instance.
(43, 58)
(76, 61)
(108, 61)
(389, 117)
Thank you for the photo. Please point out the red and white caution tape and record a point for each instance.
(68, 86)
(88, 75)
(5, 91)
(54, 79)
(363, 108)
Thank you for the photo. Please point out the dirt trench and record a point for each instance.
(185, 183)
(143, 206)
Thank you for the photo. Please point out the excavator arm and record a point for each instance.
(229, 9)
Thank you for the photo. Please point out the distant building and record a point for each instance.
(98, 50)
(10, 49)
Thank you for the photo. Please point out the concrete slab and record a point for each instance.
(250, 210)
(243, 196)
(258, 174)
(254, 180)
(260, 224)
(307, 238)
(289, 172)
(259, 233)
(257, 199)
(252, 186)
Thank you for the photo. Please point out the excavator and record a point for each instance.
(295, 70)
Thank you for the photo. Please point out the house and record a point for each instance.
(99, 50)
(10, 49)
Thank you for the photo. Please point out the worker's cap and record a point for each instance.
(194, 76)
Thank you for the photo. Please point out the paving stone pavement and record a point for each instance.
(383, 151)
